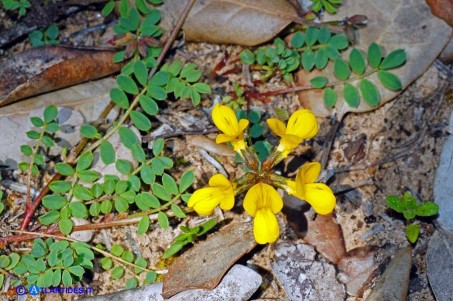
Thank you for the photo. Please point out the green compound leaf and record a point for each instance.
(370, 93)
(85, 161)
(298, 40)
(106, 263)
(341, 69)
(37, 122)
(82, 193)
(160, 79)
(156, 92)
(138, 153)
(148, 105)
(128, 137)
(161, 192)
(324, 35)
(158, 146)
(49, 218)
(39, 248)
(26, 150)
(140, 121)
(151, 277)
(186, 180)
(427, 209)
(389, 80)
(78, 209)
(127, 84)
(147, 174)
(170, 184)
(394, 59)
(108, 8)
(177, 211)
(47, 141)
(76, 270)
(173, 249)
(119, 98)
(319, 82)
(412, 232)
(308, 59)
(339, 42)
(374, 55)
(50, 113)
(123, 166)
(202, 88)
(60, 186)
(54, 201)
(141, 262)
(53, 127)
(131, 283)
(311, 36)
(162, 219)
(330, 97)
(117, 273)
(357, 62)
(256, 130)
(56, 277)
(65, 225)
(121, 204)
(143, 225)
(141, 72)
(332, 53)
(321, 58)
(395, 203)
(34, 135)
(351, 95)
(117, 250)
(121, 187)
(247, 57)
(88, 131)
(64, 169)
(107, 153)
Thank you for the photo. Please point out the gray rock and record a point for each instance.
(443, 182)
(304, 278)
(439, 260)
(238, 284)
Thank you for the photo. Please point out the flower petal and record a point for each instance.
(222, 138)
(262, 196)
(227, 202)
(320, 197)
(303, 124)
(265, 226)
(219, 180)
(243, 124)
(278, 127)
(225, 120)
(308, 173)
(204, 200)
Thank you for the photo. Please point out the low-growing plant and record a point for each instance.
(19, 5)
(409, 207)
(47, 37)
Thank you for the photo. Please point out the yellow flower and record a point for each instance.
(301, 125)
(262, 202)
(318, 195)
(227, 122)
(220, 191)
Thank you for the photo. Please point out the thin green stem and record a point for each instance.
(32, 160)
(151, 211)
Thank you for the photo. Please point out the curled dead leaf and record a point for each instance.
(49, 68)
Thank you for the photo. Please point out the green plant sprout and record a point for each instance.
(47, 37)
(20, 5)
(314, 49)
(329, 6)
(236, 101)
(407, 205)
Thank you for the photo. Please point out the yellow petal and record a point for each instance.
(288, 143)
(278, 127)
(222, 138)
(265, 226)
(262, 196)
(219, 180)
(243, 123)
(308, 173)
(290, 187)
(225, 120)
(204, 200)
(320, 197)
(303, 124)
(238, 144)
(227, 202)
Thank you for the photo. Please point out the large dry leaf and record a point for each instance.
(393, 24)
(204, 265)
(439, 260)
(246, 23)
(49, 68)
(326, 236)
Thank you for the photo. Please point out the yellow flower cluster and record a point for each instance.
(262, 201)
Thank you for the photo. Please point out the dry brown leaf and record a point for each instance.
(246, 23)
(326, 236)
(44, 69)
(442, 9)
(204, 265)
(393, 24)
